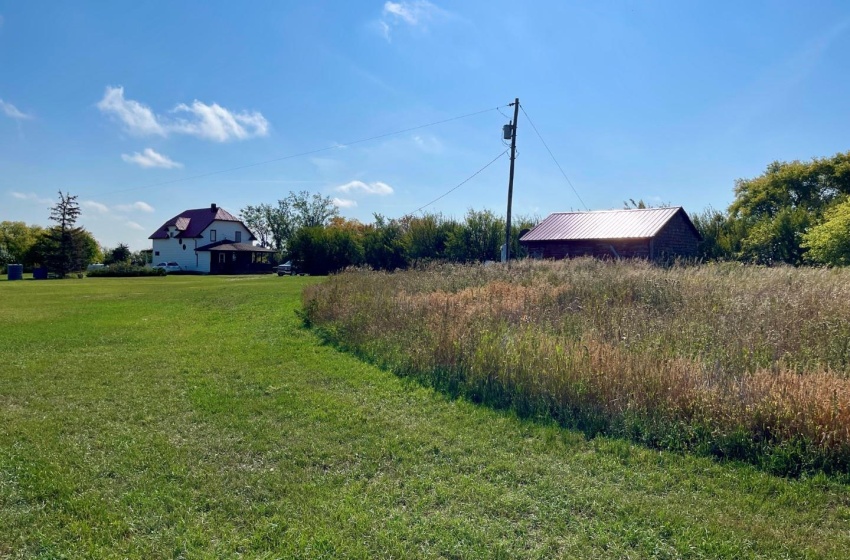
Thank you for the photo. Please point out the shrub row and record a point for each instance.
(123, 270)
(739, 362)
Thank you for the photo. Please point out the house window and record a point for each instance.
(184, 247)
(156, 253)
(222, 257)
(239, 237)
(212, 235)
(234, 256)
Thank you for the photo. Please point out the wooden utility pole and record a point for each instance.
(511, 183)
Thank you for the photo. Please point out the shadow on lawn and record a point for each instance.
(791, 458)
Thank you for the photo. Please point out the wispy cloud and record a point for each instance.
(377, 187)
(428, 144)
(96, 206)
(31, 197)
(344, 203)
(138, 205)
(150, 158)
(416, 12)
(134, 225)
(413, 13)
(137, 118)
(116, 211)
(214, 122)
(10, 110)
(209, 122)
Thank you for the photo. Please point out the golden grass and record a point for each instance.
(737, 361)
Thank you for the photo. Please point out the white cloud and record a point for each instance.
(415, 13)
(31, 196)
(138, 205)
(412, 13)
(210, 122)
(214, 122)
(134, 225)
(13, 112)
(344, 203)
(102, 209)
(96, 206)
(150, 158)
(137, 118)
(377, 187)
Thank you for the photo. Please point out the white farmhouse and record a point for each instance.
(209, 241)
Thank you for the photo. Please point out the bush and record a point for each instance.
(124, 270)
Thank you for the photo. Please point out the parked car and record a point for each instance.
(286, 268)
(168, 266)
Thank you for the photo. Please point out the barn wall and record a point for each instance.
(600, 248)
(676, 238)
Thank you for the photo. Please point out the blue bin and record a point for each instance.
(15, 271)
(39, 273)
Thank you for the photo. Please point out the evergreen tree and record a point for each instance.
(65, 249)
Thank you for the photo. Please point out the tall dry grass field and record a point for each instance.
(735, 361)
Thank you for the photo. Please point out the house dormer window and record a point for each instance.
(212, 235)
(239, 237)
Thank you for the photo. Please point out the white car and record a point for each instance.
(168, 266)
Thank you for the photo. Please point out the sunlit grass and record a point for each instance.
(192, 417)
(739, 362)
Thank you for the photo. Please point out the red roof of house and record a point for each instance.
(192, 223)
(604, 224)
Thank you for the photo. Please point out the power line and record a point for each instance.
(553, 157)
(459, 185)
(300, 154)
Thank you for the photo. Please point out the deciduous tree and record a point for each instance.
(829, 242)
(16, 242)
(777, 207)
(311, 210)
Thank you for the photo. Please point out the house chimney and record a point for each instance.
(213, 207)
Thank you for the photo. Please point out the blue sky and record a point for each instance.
(126, 104)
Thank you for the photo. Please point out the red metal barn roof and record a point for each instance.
(604, 224)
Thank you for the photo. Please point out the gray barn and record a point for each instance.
(647, 233)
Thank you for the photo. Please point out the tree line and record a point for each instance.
(308, 230)
(796, 213)
(63, 247)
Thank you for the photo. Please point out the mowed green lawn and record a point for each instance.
(194, 417)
